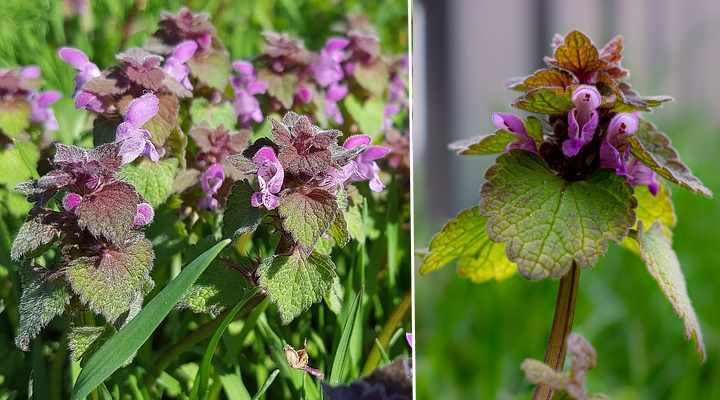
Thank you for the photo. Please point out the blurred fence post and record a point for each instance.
(438, 126)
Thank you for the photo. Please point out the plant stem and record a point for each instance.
(561, 326)
(396, 318)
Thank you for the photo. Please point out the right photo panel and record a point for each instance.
(564, 164)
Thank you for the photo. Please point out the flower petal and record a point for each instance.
(142, 109)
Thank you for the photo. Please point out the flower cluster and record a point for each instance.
(591, 111)
(20, 94)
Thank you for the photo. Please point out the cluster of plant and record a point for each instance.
(585, 169)
(190, 148)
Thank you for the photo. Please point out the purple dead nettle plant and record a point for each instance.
(94, 223)
(299, 184)
(585, 169)
(24, 104)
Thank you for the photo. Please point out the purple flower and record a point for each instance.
(30, 72)
(639, 174)
(582, 119)
(40, 103)
(397, 97)
(175, 64)
(327, 68)
(133, 138)
(613, 153)
(364, 167)
(514, 125)
(86, 71)
(303, 93)
(270, 176)
(335, 93)
(144, 215)
(210, 182)
(246, 88)
(71, 200)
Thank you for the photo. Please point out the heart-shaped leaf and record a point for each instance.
(547, 222)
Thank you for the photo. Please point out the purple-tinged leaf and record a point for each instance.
(240, 216)
(552, 101)
(110, 212)
(110, 282)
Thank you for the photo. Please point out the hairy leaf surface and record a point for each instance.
(42, 300)
(296, 282)
(552, 101)
(308, 215)
(547, 222)
(109, 212)
(240, 216)
(109, 283)
(153, 181)
(656, 250)
(464, 238)
(655, 150)
(493, 143)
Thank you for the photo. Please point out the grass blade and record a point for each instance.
(234, 386)
(203, 375)
(340, 360)
(266, 385)
(128, 340)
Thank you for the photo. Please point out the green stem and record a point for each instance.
(396, 318)
(561, 326)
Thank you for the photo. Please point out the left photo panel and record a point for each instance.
(205, 200)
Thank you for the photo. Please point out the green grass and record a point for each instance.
(472, 338)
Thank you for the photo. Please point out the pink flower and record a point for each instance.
(133, 138)
(514, 125)
(144, 215)
(327, 68)
(335, 93)
(270, 176)
(246, 86)
(71, 201)
(86, 71)
(582, 120)
(364, 167)
(41, 112)
(175, 64)
(210, 182)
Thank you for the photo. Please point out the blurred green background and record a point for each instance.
(471, 338)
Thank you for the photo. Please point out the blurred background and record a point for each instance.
(471, 338)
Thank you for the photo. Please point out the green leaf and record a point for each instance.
(128, 340)
(103, 131)
(550, 101)
(338, 231)
(651, 209)
(655, 150)
(334, 298)
(372, 78)
(212, 69)
(307, 216)
(34, 236)
(110, 212)
(203, 375)
(14, 117)
(110, 283)
(464, 238)
(534, 128)
(296, 282)
(656, 250)
(547, 222)
(342, 353)
(269, 381)
(234, 387)
(153, 181)
(483, 145)
(42, 300)
(577, 54)
(218, 288)
(240, 216)
(280, 86)
(214, 115)
(18, 163)
(368, 116)
(355, 223)
(81, 339)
